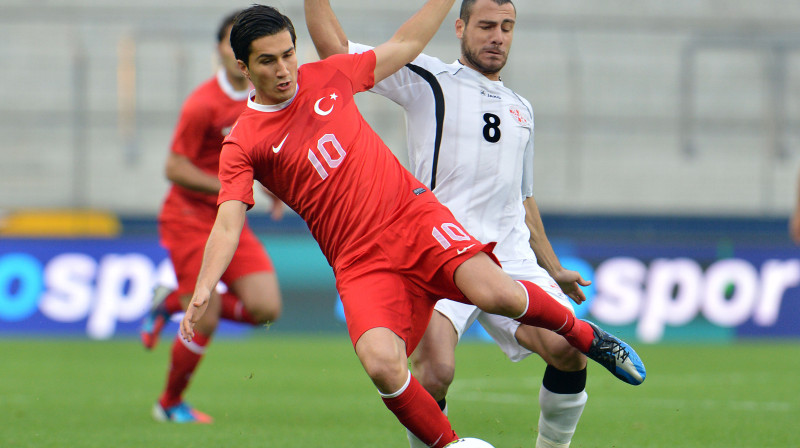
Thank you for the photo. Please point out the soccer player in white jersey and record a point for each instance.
(470, 139)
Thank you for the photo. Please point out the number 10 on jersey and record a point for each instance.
(330, 160)
(453, 232)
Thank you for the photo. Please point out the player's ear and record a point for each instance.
(243, 68)
(460, 25)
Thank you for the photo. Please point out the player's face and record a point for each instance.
(486, 38)
(272, 68)
(227, 58)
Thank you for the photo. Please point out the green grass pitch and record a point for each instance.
(293, 391)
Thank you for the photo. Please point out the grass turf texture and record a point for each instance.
(283, 391)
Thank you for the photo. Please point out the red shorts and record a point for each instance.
(186, 242)
(395, 280)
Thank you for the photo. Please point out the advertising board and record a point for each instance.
(677, 289)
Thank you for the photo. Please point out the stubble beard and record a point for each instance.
(472, 58)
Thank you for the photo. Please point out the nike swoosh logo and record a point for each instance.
(320, 111)
(437, 440)
(566, 320)
(277, 149)
(462, 250)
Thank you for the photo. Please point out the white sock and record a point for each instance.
(413, 441)
(558, 417)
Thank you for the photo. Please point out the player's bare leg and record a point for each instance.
(485, 284)
(551, 347)
(184, 359)
(260, 297)
(493, 291)
(383, 355)
(434, 363)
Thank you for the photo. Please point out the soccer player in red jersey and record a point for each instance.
(185, 220)
(393, 247)
(471, 140)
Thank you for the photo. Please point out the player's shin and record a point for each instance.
(413, 441)
(185, 357)
(416, 409)
(545, 312)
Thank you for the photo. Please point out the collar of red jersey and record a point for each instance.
(270, 107)
(225, 85)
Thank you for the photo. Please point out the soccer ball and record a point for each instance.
(469, 442)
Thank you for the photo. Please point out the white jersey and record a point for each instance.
(470, 140)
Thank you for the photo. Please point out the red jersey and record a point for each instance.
(206, 118)
(318, 154)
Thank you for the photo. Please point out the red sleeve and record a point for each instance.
(191, 128)
(360, 68)
(235, 175)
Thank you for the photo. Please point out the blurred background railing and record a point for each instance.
(687, 108)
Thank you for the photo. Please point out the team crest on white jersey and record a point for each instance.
(519, 116)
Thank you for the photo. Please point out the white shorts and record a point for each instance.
(501, 328)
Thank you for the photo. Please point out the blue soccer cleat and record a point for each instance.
(155, 320)
(180, 413)
(616, 356)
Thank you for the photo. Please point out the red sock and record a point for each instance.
(418, 411)
(545, 312)
(233, 309)
(185, 358)
(173, 303)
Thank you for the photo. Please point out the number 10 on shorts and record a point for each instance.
(452, 232)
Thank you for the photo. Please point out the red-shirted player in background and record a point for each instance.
(393, 247)
(185, 221)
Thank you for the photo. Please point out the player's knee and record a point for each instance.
(260, 296)
(266, 311)
(435, 377)
(388, 374)
(208, 323)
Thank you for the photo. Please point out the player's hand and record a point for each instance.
(794, 227)
(197, 307)
(570, 282)
(276, 213)
(277, 209)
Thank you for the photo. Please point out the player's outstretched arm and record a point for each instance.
(278, 207)
(221, 245)
(794, 226)
(794, 220)
(323, 26)
(569, 281)
(410, 39)
(181, 171)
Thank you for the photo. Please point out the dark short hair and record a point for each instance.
(254, 23)
(223, 26)
(466, 8)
